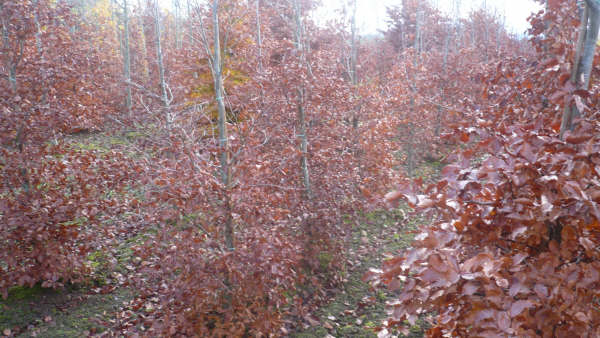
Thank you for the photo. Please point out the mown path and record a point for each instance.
(358, 310)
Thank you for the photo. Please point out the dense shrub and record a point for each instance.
(54, 198)
(512, 249)
(201, 291)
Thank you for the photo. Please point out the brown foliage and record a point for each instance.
(512, 250)
(54, 197)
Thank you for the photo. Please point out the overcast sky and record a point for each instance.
(372, 14)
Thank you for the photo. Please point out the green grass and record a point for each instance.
(74, 311)
(348, 315)
(358, 309)
(57, 313)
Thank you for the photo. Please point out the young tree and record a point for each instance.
(224, 156)
(301, 94)
(126, 55)
(584, 56)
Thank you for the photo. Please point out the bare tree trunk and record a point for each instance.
(143, 42)
(301, 114)
(418, 44)
(410, 157)
(353, 47)
(584, 57)
(259, 37)
(190, 27)
(40, 50)
(225, 169)
(473, 34)
(178, 39)
(441, 111)
(591, 38)
(161, 68)
(38, 30)
(486, 34)
(10, 64)
(259, 56)
(126, 56)
(354, 60)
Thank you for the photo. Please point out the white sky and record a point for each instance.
(372, 13)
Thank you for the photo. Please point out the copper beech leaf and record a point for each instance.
(519, 306)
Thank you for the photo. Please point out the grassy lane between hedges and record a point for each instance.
(358, 310)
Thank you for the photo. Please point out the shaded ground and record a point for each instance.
(358, 310)
(40, 312)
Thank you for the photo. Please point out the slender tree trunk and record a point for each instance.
(126, 56)
(410, 157)
(417, 46)
(354, 60)
(584, 57)
(259, 37)
(225, 169)
(440, 112)
(190, 27)
(301, 113)
(40, 50)
(259, 56)
(486, 34)
(353, 47)
(161, 67)
(473, 35)
(143, 42)
(38, 30)
(418, 39)
(591, 38)
(10, 64)
(178, 38)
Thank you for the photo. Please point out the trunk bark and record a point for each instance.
(161, 67)
(126, 56)
(178, 39)
(40, 50)
(10, 63)
(584, 57)
(143, 42)
(354, 60)
(259, 37)
(301, 113)
(225, 169)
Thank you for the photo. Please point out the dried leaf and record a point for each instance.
(519, 306)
